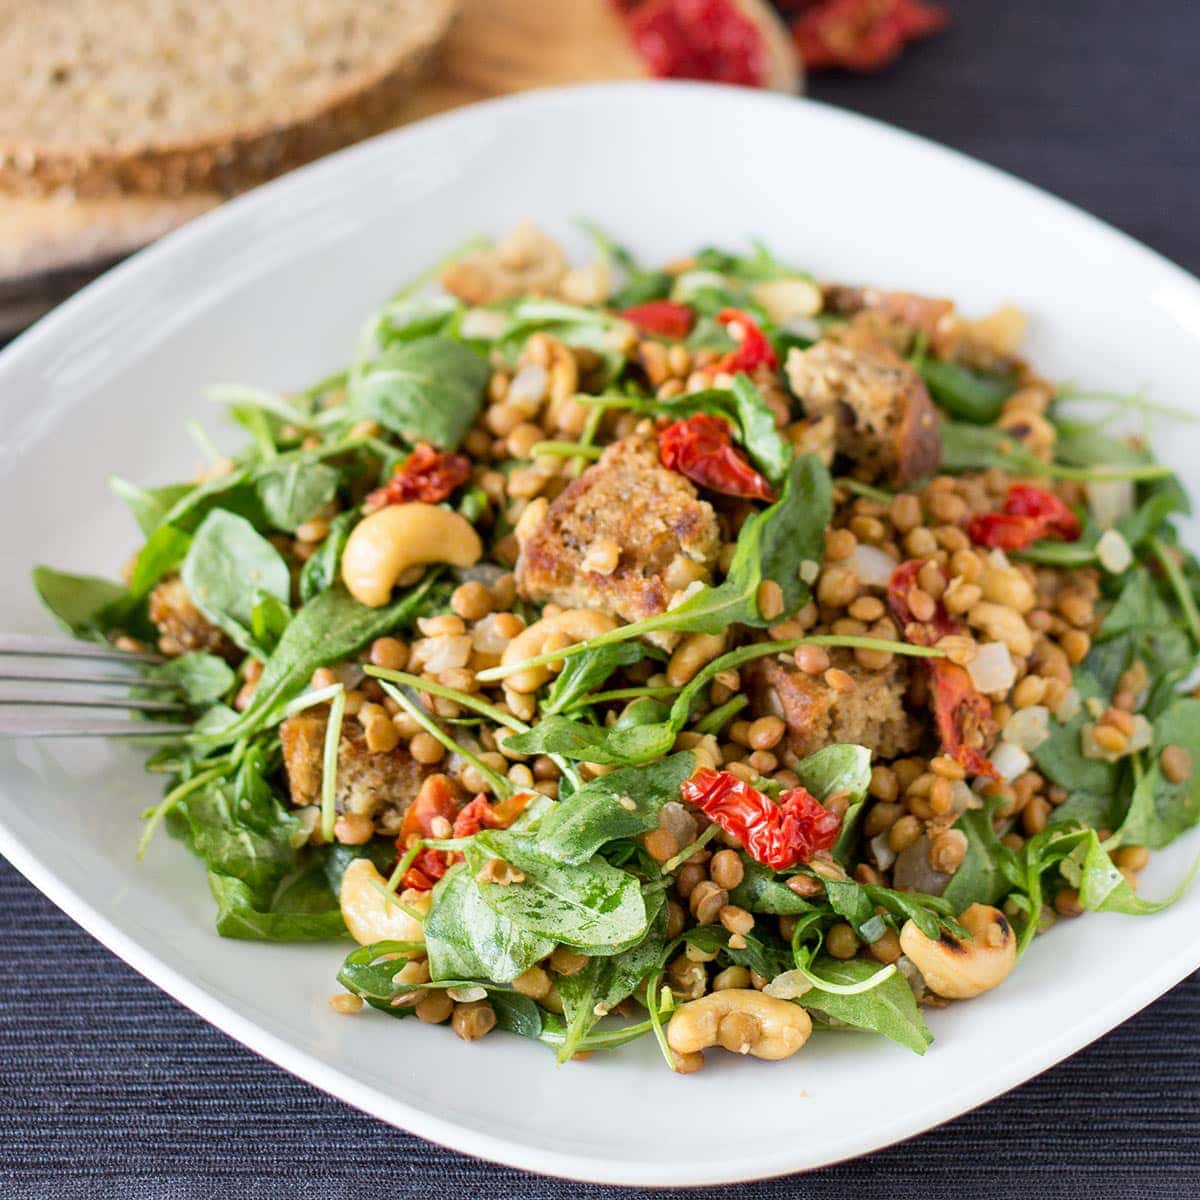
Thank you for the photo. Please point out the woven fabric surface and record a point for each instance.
(110, 1089)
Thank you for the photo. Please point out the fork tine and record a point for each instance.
(58, 700)
(62, 647)
(36, 673)
(15, 723)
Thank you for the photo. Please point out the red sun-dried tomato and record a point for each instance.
(777, 835)
(862, 35)
(482, 814)
(754, 350)
(1029, 514)
(697, 39)
(662, 318)
(701, 448)
(426, 474)
(962, 713)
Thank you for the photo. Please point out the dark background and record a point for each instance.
(108, 1088)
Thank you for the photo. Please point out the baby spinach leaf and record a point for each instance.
(1161, 810)
(202, 678)
(238, 916)
(467, 939)
(839, 768)
(427, 390)
(149, 505)
(226, 567)
(84, 605)
(763, 891)
(321, 570)
(967, 392)
(588, 671)
(889, 1008)
(268, 619)
(518, 1014)
(586, 904)
(296, 492)
(621, 804)
(163, 553)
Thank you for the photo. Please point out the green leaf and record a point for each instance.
(1161, 810)
(1102, 887)
(587, 671)
(578, 826)
(320, 572)
(1060, 757)
(149, 505)
(981, 879)
(763, 891)
(296, 492)
(967, 392)
(764, 953)
(856, 903)
(587, 904)
(843, 767)
(467, 939)
(239, 917)
(202, 678)
(889, 1009)
(228, 564)
(162, 555)
(84, 605)
(428, 390)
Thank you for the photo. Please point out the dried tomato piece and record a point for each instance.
(1029, 514)
(777, 835)
(426, 474)
(754, 350)
(863, 35)
(482, 814)
(435, 799)
(697, 39)
(663, 318)
(701, 448)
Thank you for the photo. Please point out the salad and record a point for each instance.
(701, 653)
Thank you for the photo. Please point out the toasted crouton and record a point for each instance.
(886, 423)
(182, 627)
(872, 714)
(379, 785)
(627, 499)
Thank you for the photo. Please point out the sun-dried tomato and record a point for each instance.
(863, 35)
(701, 448)
(777, 835)
(426, 474)
(662, 318)
(962, 713)
(482, 814)
(1029, 514)
(754, 350)
(697, 39)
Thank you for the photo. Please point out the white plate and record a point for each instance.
(271, 290)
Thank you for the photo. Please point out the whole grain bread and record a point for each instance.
(168, 96)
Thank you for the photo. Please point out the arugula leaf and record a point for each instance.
(843, 767)
(1060, 757)
(589, 904)
(856, 902)
(981, 879)
(329, 628)
(889, 1009)
(587, 671)
(238, 916)
(227, 565)
(84, 605)
(1102, 887)
(149, 505)
(467, 939)
(576, 828)
(296, 492)
(764, 952)
(163, 553)
(1161, 810)
(201, 677)
(427, 390)
(763, 891)
(321, 570)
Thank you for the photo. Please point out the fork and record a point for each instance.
(60, 668)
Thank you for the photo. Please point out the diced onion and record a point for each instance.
(446, 653)
(992, 670)
(528, 385)
(791, 985)
(1109, 499)
(882, 852)
(1113, 552)
(691, 282)
(1028, 727)
(913, 872)
(486, 639)
(483, 323)
(873, 566)
(1010, 761)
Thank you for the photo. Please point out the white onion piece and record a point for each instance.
(962, 798)
(784, 299)
(1142, 735)
(992, 670)
(483, 323)
(484, 637)
(528, 385)
(912, 870)
(1028, 727)
(791, 985)
(1010, 761)
(1069, 707)
(1109, 499)
(882, 852)
(872, 566)
(691, 282)
(1113, 552)
(446, 653)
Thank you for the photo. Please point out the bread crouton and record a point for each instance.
(627, 500)
(379, 785)
(182, 627)
(886, 423)
(872, 714)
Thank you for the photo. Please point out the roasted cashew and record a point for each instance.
(741, 1020)
(550, 633)
(958, 969)
(386, 543)
(370, 916)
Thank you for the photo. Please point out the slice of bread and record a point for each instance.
(167, 96)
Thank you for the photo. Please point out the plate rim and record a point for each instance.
(329, 1078)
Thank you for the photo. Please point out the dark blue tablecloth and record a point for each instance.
(110, 1089)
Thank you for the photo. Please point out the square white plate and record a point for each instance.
(271, 289)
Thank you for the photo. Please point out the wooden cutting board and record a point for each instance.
(51, 247)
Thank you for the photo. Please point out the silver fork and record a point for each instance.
(84, 698)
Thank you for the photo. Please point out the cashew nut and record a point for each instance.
(741, 1020)
(958, 969)
(370, 915)
(550, 633)
(386, 543)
